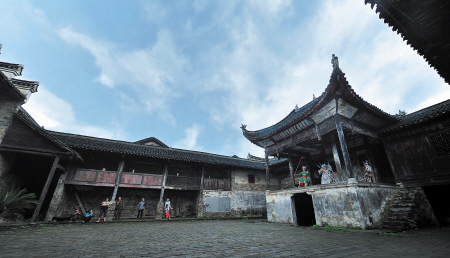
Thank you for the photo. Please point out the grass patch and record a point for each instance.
(333, 228)
(391, 234)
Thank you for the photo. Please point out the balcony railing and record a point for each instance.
(108, 178)
(216, 184)
(183, 181)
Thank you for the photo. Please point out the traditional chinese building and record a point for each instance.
(341, 129)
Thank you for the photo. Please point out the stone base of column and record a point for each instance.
(160, 211)
(111, 211)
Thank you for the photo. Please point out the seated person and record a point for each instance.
(88, 216)
(75, 215)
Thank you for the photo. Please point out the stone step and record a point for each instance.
(402, 204)
(402, 209)
(396, 217)
(396, 223)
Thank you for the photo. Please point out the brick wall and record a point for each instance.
(7, 109)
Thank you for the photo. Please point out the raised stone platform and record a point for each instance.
(347, 204)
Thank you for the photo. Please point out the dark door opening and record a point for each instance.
(437, 196)
(304, 209)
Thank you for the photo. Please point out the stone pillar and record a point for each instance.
(160, 206)
(200, 204)
(7, 109)
(337, 160)
(58, 195)
(345, 154)
(291, 170)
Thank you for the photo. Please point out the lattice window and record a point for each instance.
(441, 143)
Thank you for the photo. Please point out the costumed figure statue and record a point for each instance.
(368, 172)
(326, 171)
(303, 177)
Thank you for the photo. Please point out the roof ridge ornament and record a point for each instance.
(296, 108)
(335, 62)
(243, 127)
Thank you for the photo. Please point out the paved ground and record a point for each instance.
(216, 238)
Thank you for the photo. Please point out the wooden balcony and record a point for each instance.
(136, 180)
(217, 184)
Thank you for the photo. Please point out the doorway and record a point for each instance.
(304, 209)
(437, 196)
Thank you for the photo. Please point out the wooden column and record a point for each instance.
(267, 170)
(203, 177)
(118, 178)
(200, 196)
(44, 191)
(291, 170)
(337, 160)
(348, 164)
(160, 206)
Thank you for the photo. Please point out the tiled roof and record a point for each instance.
(152, 139)
(130, 148)
(420, 116)
(23, 115)
(6, 83)
(424, 25)
(296, 115)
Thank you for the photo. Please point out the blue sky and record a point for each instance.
(191, 72)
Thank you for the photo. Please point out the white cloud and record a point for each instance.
(151, 73)
(56, 114)
(190, 140)
(261, 79)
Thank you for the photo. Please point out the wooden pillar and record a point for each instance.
(267, 170)
(160, 206)
(337, 160)
(291, 170)
(118, 178)
(58, 195)
(345, 154)
(44, 191)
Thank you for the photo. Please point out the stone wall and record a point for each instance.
(353, 205)
(232, 203)
(239, 180)
(7, 109)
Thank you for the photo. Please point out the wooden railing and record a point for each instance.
(183, 181)
(216, 184)
(108, 178)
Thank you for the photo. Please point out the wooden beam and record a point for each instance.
(203, 177)
(345, 154)
(291, 170)
(118, 178)
(44, 191)
(79, 200)
(337, 160)
(267, 169)
(29, 151)
(160, 206)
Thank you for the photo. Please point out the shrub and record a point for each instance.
(14, 199)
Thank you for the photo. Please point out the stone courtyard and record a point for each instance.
(215, 238)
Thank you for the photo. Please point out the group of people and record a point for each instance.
(76, 215)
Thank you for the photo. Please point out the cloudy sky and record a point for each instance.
(191, 72)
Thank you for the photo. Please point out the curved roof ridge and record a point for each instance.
(149, 147)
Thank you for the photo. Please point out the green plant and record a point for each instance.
(315, 227)
(390, 234)
(13, 199)
(410, 224)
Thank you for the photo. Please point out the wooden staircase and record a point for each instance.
(401, 211)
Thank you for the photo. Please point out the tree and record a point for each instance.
(14, 199)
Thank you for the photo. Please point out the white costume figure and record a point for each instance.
(325, 171)
(368, 172)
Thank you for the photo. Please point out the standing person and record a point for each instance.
(167, 209)
(141, 208)
(88, 216)
(119, 208)
(104, 210)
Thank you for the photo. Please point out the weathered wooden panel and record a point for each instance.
(85, 175)
(183, 181)
(21, 135)
(153, 179)
(106, 177)
(131, 179)
(345, 109)
(368, 119)
(325, 112)
(214, 184)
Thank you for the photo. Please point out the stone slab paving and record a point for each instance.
(217, 238)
